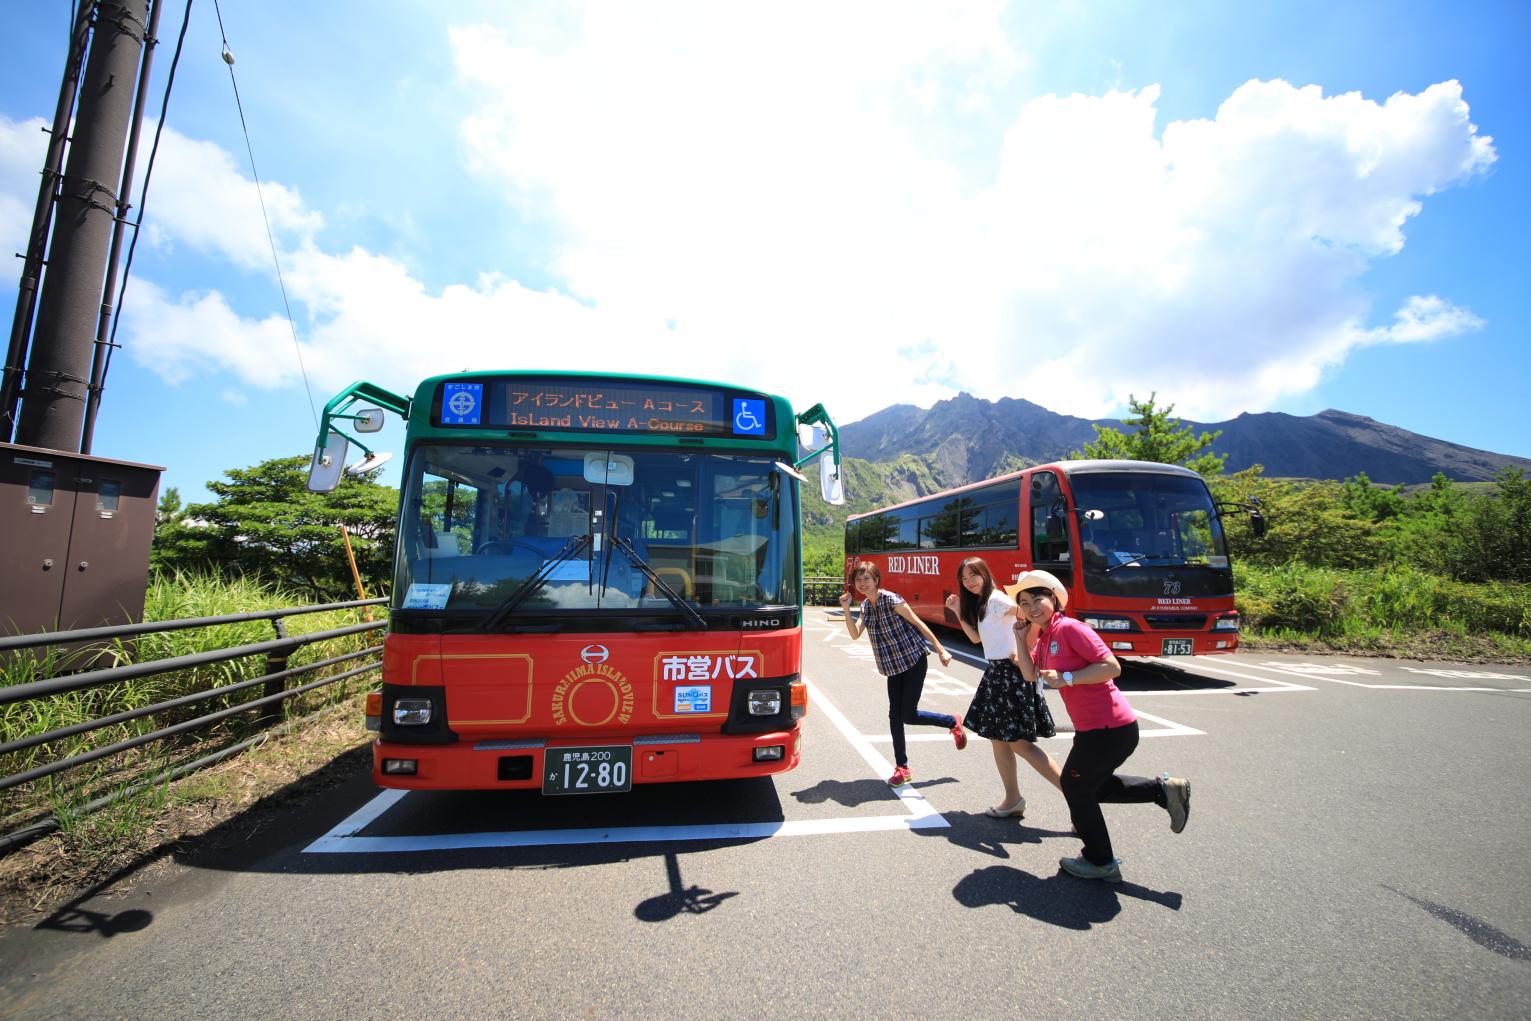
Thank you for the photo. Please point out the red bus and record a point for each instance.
(1139, 545)
(597, 580)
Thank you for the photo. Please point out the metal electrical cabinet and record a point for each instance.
(75, 533)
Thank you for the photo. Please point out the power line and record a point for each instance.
(228, 58)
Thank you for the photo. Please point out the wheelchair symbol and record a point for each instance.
(745, 419)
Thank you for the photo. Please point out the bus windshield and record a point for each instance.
(515, 532)
(1143, 534)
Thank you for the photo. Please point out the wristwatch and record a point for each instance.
(1067, 677)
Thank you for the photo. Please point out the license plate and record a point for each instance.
(1179, 647)
(607, 769)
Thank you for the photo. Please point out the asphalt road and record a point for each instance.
(1357, 849)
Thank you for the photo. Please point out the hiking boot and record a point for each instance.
(1080, 868)
(1177, 800)
(958, 734)
(900, 776)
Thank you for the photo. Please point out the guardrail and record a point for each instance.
(267, 706)
(822, 589)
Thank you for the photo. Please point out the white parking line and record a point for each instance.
(1322, 672)
(1229, 672)
(343, 838)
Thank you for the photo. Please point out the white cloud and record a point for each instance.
(833, 215)
(202, 198)
(23, 147)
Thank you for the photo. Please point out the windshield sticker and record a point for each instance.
(427, 597)
(697, 699)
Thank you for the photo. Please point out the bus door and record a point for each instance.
(1048, 514)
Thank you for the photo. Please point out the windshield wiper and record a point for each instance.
(1129, 563)
(575, 544)
(648, 572)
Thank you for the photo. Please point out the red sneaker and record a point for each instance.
(958, 734)
(900, 776)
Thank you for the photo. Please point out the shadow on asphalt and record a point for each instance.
(975, 831)
(1059, 900)
(849, 793)
(680, 899)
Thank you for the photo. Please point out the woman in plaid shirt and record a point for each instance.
(898, 645)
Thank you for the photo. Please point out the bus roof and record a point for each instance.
(1066, 467)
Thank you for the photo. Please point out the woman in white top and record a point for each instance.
(1007, 709)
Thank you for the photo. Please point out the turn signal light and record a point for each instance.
(799, 700)
(374, 710)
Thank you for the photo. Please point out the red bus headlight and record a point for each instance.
(766, 702)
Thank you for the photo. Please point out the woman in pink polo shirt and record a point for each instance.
(1070, 656)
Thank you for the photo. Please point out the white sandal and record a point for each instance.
(1017, 810)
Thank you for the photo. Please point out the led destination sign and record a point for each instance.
(580, 406)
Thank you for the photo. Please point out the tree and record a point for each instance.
(169, 510)
(1307, 522)
(1158, 437)
(1492, 538)
(267, 524)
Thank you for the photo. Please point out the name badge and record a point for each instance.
(1052, 650)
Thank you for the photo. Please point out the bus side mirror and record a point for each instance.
(1257, 524)
(831, 483)
(369, 420)
(328, 464)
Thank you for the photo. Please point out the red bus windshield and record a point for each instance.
(530, 532)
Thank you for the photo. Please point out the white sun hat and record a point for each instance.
(1040, 579)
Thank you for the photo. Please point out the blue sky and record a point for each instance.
(1243, 207)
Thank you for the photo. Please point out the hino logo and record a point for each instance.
(594, 654)
(767, 622)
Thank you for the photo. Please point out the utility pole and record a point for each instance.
(58, 372)
(42, 217)
(78, 527)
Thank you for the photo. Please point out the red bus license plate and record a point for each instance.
(604, 770)
(1179, 647)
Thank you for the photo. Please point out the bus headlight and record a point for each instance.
(770, 753)
(765, 703)
(1228, 623)
(411, 712)
(1108, 623)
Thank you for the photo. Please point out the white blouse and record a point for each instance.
(996, 627)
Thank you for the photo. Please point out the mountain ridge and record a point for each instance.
(969, 438)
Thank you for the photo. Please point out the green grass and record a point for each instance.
(169, 597)
(1394, 611)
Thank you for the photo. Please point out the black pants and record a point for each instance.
(904, 707)
(1090, 780)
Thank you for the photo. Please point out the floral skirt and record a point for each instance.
(1007, 707)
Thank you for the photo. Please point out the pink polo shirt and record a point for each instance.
(1068, 644)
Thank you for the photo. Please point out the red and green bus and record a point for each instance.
(1139, 545)
(597, 580)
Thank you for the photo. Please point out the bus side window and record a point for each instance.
(1049, 522)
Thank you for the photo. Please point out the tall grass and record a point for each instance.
(169, 597)
(1399, 608)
